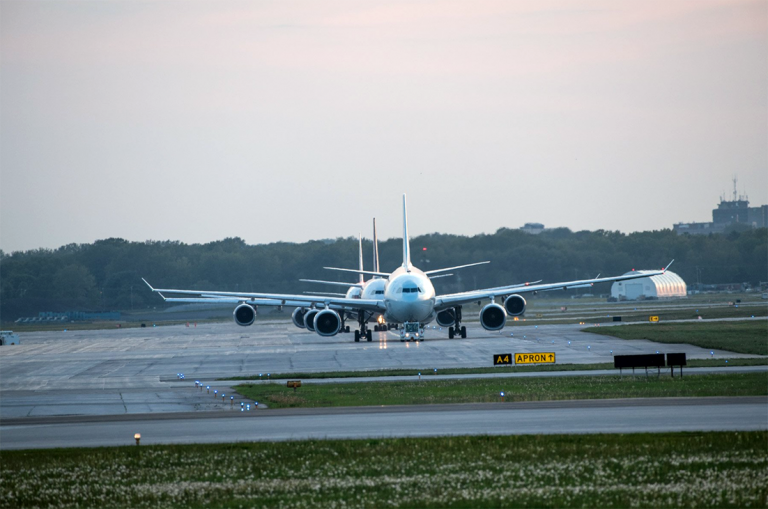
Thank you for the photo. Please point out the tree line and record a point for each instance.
(106, 275)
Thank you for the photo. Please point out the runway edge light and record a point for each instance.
(137, 437)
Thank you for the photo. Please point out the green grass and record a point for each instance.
(726, 469)
(427, 371)
(750, 337)
(75, 326)
(601, 315)
(277, 395)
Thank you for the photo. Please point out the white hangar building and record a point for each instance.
(663, 286)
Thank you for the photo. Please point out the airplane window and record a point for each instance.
(379, 292)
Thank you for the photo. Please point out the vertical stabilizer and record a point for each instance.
(360, 246)
(406, 240)
(375, 248)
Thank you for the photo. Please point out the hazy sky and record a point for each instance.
(275, 120)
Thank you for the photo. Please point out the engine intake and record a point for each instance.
(244, 315)
(297, 317)
(493, 317)
(309, 319)
(515, 305)
(327, 322)
(446, 317)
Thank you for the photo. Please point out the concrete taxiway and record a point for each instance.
(130, 371)
(590, 416)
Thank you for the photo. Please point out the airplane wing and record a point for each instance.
(335, 283)
(272, 299)
(366, 272)
(437, 271)
(457, 299)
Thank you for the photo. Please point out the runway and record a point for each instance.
(588, 416)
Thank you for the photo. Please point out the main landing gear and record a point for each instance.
(344, 327)
(364, 331)
(457, 329)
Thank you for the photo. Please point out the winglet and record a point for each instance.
(150, 287)
(670, 263)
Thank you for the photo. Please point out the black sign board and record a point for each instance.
(655, 360)
(502, 358)
(676, 359)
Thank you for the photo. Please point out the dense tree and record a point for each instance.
(106, 275)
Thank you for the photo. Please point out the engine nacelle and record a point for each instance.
(446, 317)
(493, 317)
(244, 315)
(309, 319)
(515, 305)
(297, 317)
(327, 322)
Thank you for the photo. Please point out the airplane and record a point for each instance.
(409, 299)
(370, 289)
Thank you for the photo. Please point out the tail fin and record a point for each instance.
(406, 240)
(375, 248)
(360, 245)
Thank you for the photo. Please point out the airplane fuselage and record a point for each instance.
(409, 297)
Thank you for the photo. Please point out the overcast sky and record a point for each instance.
(275, 120)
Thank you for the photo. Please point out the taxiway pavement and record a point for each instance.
(132, 371)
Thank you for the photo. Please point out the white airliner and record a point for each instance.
(408, 299)
(370, 289)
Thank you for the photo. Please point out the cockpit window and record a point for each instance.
(379, 292)
(412, 290)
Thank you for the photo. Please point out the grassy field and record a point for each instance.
(720, 470)
(427, 371)
(749, 337)
(605, 315)
(277, 395)
(75, 326)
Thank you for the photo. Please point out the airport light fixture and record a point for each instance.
(137, 437)
(208, 388)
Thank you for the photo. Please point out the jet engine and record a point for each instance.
(327, 322)
(515, 305)
(493, 317)
(297, 317)
(446, 317)
(244, 315)
(309, 319)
